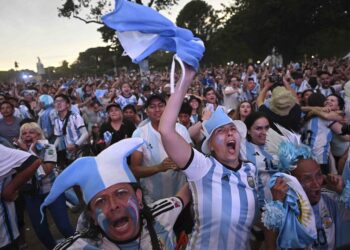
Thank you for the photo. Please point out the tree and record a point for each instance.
(203, 22)
(294, 26)
(98, 61)
(90, 11)
(63, 70)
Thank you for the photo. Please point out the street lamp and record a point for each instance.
(113, 49)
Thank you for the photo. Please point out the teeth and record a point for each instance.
(120, 222)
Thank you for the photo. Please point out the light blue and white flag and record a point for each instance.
(99, 93)
(142, 30)
(298, 229)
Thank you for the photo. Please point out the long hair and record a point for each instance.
(94, 232)
(251, 119)
(237, 115)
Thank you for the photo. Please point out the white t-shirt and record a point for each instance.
(164, 184)
(10, 159)
(231, 101)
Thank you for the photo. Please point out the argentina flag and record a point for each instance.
(298, 229)
(142, 30)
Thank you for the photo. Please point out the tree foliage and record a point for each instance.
(98, 61)
(245, 28)
(203, 22)
(90, 11)
(296, 27)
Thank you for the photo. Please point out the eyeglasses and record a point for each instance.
(59, 100)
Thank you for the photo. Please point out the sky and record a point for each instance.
(31, 29)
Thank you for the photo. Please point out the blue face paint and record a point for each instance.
(133, 210)
(219, 140)
(102, 220)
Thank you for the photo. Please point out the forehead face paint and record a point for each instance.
(102, 220)
(133, 209)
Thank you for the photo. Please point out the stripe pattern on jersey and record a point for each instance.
(224, 204)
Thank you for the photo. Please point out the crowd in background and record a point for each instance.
(61, 120)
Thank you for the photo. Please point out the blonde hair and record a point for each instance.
(31, 126)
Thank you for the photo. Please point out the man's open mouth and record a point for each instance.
(120, 223)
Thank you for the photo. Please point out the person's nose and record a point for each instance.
(114, 203)
(315, 183)
(229, 132)
(264, 131)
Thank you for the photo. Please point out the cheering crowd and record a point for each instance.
(237, 155)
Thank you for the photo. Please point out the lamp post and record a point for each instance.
(113, 50)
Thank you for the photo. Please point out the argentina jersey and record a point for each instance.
(265, 167)
(318, 136)
(8, 229)
(225, 203)
(75, 122)
(123, 101)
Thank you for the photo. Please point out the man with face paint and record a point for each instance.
(119, 212)
(330, 214)
(116, 216)
(326, 213)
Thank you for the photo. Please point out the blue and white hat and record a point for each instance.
(94, 174)
(142, 30)
(220, 118)
(47, 100)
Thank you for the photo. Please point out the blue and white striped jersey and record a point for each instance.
(75, 122)
(225, 203)
(123, 101)
(264, 164)
(8, 219)
(318, 136)
(10, 161)
(332, 219)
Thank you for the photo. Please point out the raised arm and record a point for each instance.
(263, 92)
(175, 146)
(185, 194)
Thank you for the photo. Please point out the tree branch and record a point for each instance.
(86, 21)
